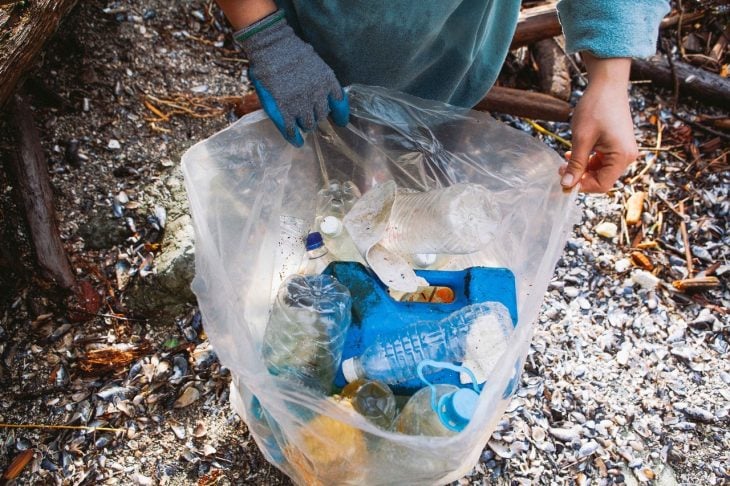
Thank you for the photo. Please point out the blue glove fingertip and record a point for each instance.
(339, 109)
(269, 105)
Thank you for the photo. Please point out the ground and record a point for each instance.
(627, 379)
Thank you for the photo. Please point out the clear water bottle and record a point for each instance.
(318, 255)
(306, 332)
(373, 400)
(333, 203)
(471, 333)
(337, 198)
(418, 416)
(457, 219)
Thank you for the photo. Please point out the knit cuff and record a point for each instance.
(612, 28)
(260, 25)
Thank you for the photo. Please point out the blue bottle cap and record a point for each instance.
(314, 241)
(455, 409)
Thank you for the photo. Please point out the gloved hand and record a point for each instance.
(296, 87)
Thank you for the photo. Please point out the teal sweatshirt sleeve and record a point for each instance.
(612, 28)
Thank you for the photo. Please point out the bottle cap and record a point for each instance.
(457, 408)
(330, 226)
(314, 241)
(424, 259)
(349, 370)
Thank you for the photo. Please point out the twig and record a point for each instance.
(702, 127)
(682, 216)
(679, 30)
(56, 427)
(547, 132)
(685, 237)
(657, 147)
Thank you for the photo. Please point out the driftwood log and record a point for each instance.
(699, 83)
(517, 102)
(536, 23)
(528, 104)
(24, 29)
(553, 68)
(29, 169)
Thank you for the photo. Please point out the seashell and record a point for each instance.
(199, 430)
(178, 429)
(588, 448)
(501, 449)
(109, 393)
(565, 435)
(189, 396)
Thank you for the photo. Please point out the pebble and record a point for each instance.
(114, 144)
(571, 292)
(622, 265)
(606, 229)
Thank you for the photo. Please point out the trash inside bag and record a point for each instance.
(374, 292)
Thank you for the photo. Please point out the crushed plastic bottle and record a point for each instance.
(438, 410)
(318, 255)
(333, 203)
(474, 333)
(458, 219)
(306, 332)
(373, 400)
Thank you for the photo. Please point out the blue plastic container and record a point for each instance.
(375, 312)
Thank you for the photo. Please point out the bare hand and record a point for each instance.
(603, 131)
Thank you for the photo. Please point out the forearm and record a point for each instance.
(607, 73)
(242, 13)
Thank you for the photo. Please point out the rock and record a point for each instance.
(102, 232)
(666, 477)
(113, 144)
(606, 229)
(167, 291)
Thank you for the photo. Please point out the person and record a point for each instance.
(301, 52)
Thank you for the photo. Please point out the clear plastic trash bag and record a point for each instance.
(252, 197)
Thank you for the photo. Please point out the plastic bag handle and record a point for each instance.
(447, 366)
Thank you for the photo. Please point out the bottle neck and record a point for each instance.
(317, 252)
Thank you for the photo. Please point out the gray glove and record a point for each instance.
(295, 86)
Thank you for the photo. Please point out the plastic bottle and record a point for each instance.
(373, 400)
(306, 331)
(337, 198)
(392, 359)
(318, 255)
(418, 416)
(333, 203)
(454, 220)
(424, 260)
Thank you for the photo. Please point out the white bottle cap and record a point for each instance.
(330, 226)
(424, 259)
(349, 370)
